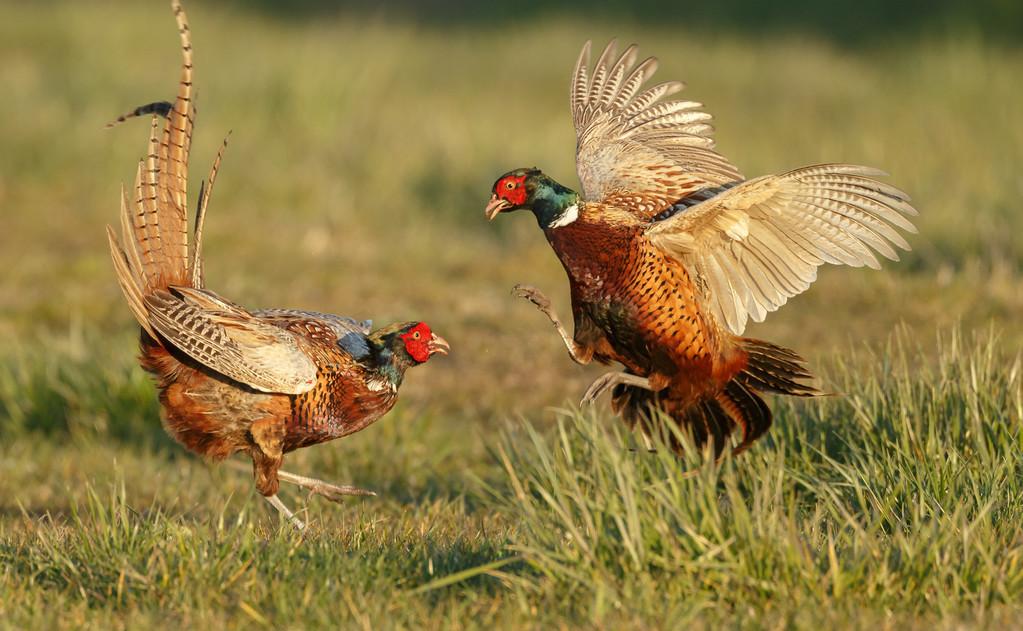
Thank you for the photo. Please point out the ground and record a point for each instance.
(362, 153)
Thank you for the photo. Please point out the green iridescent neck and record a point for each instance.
(392, 360)
(551, 201)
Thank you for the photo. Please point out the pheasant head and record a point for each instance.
(552, 204)
(403, 345)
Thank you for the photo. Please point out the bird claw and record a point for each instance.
(579, 354)
(533, 295)
(332, 492)
(609, 380)
(336, 493)
(597, 388)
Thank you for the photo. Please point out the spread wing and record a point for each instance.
(634, 150)
(757, 244)
(224, 337)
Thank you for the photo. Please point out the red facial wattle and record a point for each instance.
(512, 189)
(417, 342)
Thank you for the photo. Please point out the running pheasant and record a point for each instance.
(669, 252)
(235, 380)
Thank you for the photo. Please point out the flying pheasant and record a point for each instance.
(231, 379)
(669, 252)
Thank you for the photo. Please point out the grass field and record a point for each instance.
(363, 150)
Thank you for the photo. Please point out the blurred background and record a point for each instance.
(366, 137)
(365, 140)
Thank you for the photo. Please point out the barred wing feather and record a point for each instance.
(232, 342)
(755, 245)
(633, 149)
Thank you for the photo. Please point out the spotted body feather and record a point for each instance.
(670, 252)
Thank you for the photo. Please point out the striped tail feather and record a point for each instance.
(712, 420)
(175, 145)
(160, 217)
(772, 368)
(205, 191)
(747, 410)
(152, 253)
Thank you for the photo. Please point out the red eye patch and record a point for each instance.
(512, 188)
(417, 342)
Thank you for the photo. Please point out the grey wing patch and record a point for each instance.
(356, 345)
(693, 199)
(344, 323)
(234, 344)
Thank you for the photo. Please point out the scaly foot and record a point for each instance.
(333, 492)
(285, 512)
(579, 354)
(609, 380)
(535, 296)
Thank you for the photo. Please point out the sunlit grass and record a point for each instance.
(362, 152)
(904, 496)
(899, 500)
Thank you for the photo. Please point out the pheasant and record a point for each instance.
(669, 252)
(260, 382)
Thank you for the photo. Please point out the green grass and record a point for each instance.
(363, 150)
(899, 503)
(904, 496)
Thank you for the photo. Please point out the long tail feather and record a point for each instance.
(152, 252)
(146, 218)
(772, 368)
(175, 145)
(749, 411)
(205, 191)
(711, 420)
(129, 283)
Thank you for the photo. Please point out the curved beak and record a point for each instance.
(495, 206)
(438, 344)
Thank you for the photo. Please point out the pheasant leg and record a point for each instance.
(285, 512)
(332, 492)
(543, 303)
(609, 380)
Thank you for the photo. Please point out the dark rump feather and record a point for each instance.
(770, 368)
